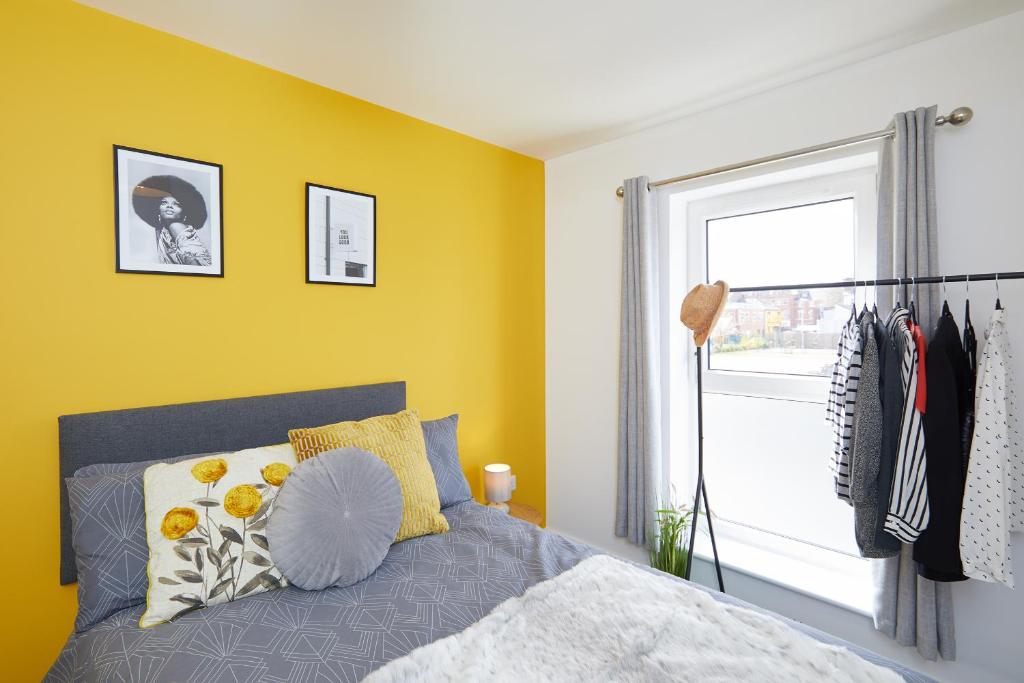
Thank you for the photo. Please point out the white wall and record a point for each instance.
(980, 188)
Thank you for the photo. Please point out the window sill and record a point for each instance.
(823, 575)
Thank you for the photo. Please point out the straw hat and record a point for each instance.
(702, 308)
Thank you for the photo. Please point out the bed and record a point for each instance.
(426, 589)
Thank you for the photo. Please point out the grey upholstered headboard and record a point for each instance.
(140, 434)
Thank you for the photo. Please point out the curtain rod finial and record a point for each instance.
(619, 192)
(960, 116)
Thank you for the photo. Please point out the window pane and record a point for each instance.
(766, 476)
(791, 332)
(784, 332)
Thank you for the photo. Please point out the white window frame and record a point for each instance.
(856, 184)
(821, 573)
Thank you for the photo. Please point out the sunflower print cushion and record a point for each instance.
(205, 527)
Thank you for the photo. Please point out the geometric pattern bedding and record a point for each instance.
(108, 514)
(427, 588)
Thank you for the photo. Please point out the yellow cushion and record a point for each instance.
(397, 440)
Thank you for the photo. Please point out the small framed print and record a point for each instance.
(168, 215)
(341, 236)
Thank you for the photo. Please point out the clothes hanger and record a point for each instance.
(967, 303)
(945, 302)
(875, 299)
(999, 306)
(913, 295)
(864, 309)
(896, 295)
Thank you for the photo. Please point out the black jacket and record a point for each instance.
(937, 550)
(890, 353)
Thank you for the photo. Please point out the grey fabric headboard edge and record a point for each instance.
(139, 434)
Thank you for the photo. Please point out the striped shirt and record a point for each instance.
(908, 511)
(839, 408)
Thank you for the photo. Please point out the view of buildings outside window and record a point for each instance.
(789, 331)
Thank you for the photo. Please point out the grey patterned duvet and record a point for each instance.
(426, 589)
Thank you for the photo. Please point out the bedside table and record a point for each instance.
(524, 512)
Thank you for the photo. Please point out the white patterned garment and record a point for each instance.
(994, 490)
(840, 405)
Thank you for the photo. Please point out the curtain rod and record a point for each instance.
(924, 280)
(957, 117)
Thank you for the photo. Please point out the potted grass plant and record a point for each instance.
(668, 551)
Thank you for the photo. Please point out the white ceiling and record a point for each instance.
(546, 77)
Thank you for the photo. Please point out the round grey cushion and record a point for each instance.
(334, 519)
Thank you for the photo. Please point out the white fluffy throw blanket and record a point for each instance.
(606, 620)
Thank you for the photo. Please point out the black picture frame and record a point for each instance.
(126, 211)
(323, 236)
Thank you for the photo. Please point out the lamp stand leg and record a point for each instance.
(701, 485)
(711, 532)
(693, 529)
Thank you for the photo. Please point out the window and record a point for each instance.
(767, 365)
(789, 332)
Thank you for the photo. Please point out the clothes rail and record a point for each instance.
(886, 282)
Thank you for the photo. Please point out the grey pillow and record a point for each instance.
(108, 521)
(108, 534)
(132, 467)
(443, 454)
(335, 519)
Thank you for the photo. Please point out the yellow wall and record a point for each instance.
(458, 311)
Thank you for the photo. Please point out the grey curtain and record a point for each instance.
(639, 460)
(908, 243)
(912, 610)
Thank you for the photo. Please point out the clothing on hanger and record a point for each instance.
(921, 342)
(993, 503)
(892, 392)
(921, 396)
(866, 446)
(850, 405)
(908, 512)
(840, 405)
(937, 550)
(913, 452)
(837, 384)
(971, 369)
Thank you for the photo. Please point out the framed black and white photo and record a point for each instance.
(341, 236)
(168, 215)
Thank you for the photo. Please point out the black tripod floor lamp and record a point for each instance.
(701, 310)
